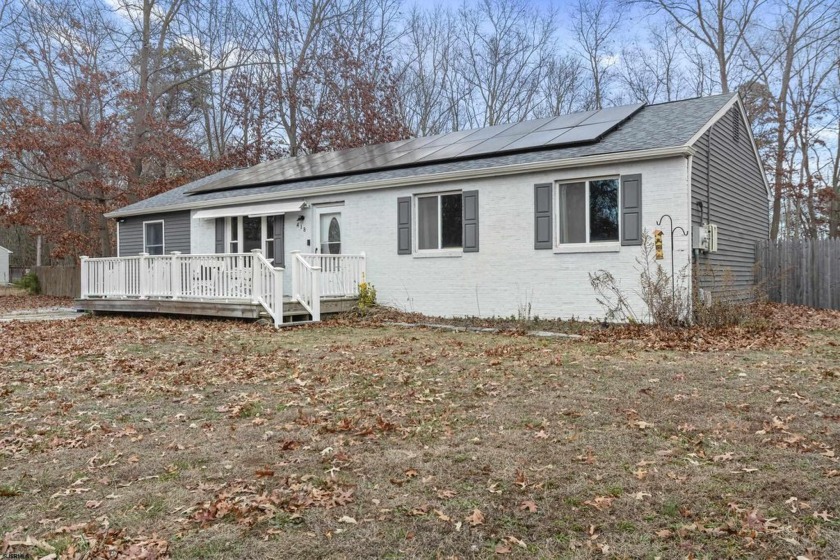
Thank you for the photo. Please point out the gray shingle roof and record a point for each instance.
(663, 125)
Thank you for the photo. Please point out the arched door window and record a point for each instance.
(330, 234)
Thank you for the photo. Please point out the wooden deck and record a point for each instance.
(292, 310)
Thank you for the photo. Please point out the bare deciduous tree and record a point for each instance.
(804, 37)
(428, 69)
(721, 26)
(560, 87)
(505, 45)
(594, 23)
(651, 69)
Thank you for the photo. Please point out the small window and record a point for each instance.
(153, 238)
(587, 211)
(439, 222)
(269, 238)
(234, 235)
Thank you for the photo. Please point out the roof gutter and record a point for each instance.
(431, 178)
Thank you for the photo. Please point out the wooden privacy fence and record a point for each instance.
(62, 281)
(800, 272)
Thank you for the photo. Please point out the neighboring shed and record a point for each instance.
(4, 265)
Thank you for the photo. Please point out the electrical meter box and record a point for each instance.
(705, 238)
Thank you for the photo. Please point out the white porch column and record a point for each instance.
(278, 296)
(83, 264)
(316, 293)
(295, 274)
(256, 277)
(362, 270)
(175, 274)
(144, 275)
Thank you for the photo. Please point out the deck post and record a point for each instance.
(278, 296)
(175, 274)
(316, 293)
(143, 288)
(256, 277)
(295, 273)
(83, 292)
(362, 271)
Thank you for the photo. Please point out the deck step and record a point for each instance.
(329, 306)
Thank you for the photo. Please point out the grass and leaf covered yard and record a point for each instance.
(158, 438)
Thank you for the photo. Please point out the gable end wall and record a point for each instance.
(176, 233)
(738, 205)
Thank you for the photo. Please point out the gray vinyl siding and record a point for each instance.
(738, 205)
(176, 233)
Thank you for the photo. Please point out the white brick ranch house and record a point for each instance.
(484, 222)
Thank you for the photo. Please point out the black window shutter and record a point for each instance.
(542, 216)
(404, 225)
(470, 221)
(220, 235)
(631, 209)
(279, 241)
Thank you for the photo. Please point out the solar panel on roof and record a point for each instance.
(524, 127)
(549, 132)
(451, 138)
(536, 139)
(583, 133)
(409, 158)
(566, 121)
(611, 114)
(451, 151)
(492, 145)
(488, 132)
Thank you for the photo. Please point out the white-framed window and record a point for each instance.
(234, 234)
(439, 221)
(587, 212)
(268, 248)
(153, 237)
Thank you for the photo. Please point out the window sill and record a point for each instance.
(443, 254)
(608, 247)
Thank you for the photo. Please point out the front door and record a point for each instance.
(328, 245)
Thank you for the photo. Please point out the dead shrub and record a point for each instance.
(668, 302)
(664, 296)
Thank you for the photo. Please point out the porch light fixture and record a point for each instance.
(300, 221)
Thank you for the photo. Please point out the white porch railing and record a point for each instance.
(222, 277)
(306, 285)
(340, 274)
(233, 277)
(268, 287)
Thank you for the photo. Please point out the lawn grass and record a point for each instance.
(217, 439)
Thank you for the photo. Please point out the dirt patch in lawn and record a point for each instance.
(19, 302)
(217, 439)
